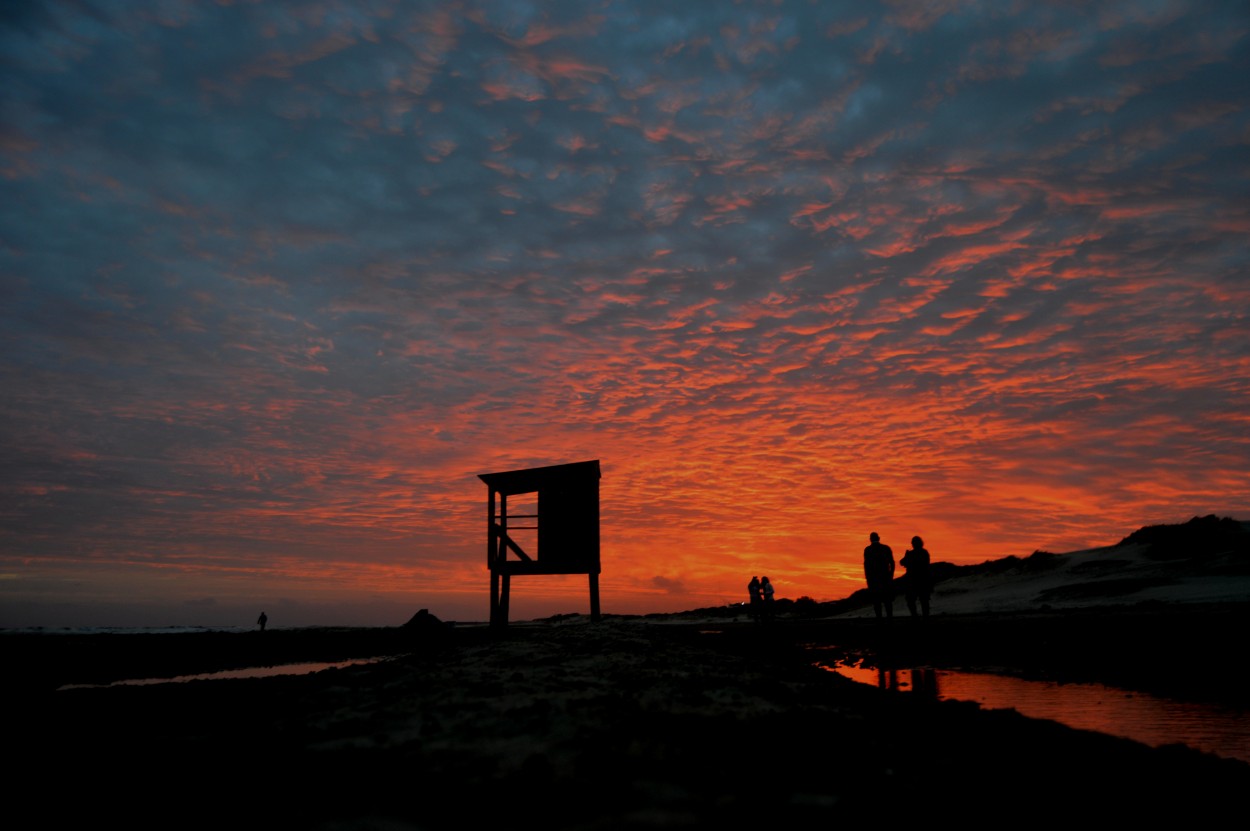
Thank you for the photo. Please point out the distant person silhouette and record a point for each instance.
(262, 620)
(753, 592)
(917, 583)
(879, 573)
(766, 592)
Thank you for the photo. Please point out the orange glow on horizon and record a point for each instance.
(791, 277)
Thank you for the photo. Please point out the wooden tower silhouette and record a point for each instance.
(566, 522)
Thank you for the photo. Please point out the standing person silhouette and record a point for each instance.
(879, 573)
(262, 620)
(918, 586)
(766, 591)
(753, 591)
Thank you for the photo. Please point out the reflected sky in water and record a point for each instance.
(1144, 718)
(248, 672)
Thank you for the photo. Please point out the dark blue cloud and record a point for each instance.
(285, 274)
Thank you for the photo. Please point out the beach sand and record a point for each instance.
(668, 722)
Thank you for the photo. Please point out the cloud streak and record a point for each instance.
(280, 280)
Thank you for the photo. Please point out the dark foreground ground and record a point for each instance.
(627, 723)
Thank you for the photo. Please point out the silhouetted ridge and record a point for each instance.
(1209, 544)
(1036, 562)
(1200, 538)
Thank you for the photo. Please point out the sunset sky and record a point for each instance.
(279, 280)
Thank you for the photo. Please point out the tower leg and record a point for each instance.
(505, 591)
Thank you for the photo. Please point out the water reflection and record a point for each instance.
(249, 672)
(920, 680)
(1144, 718)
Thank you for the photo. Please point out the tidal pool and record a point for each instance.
(1223, 731)
(248, 672)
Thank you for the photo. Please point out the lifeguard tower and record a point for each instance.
(565, 526)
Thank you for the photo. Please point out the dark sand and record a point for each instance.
(627, 723)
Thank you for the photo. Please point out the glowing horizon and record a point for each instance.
(792, 272)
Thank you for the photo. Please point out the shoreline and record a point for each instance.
(1149, 648)
(617, 724)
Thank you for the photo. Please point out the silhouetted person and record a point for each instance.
(879, 572)
(262, 620)
(753, 592)
(766, 592)
(917, 587)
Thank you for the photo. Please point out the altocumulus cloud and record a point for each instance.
(278, 278)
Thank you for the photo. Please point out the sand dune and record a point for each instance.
(1206, 560)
